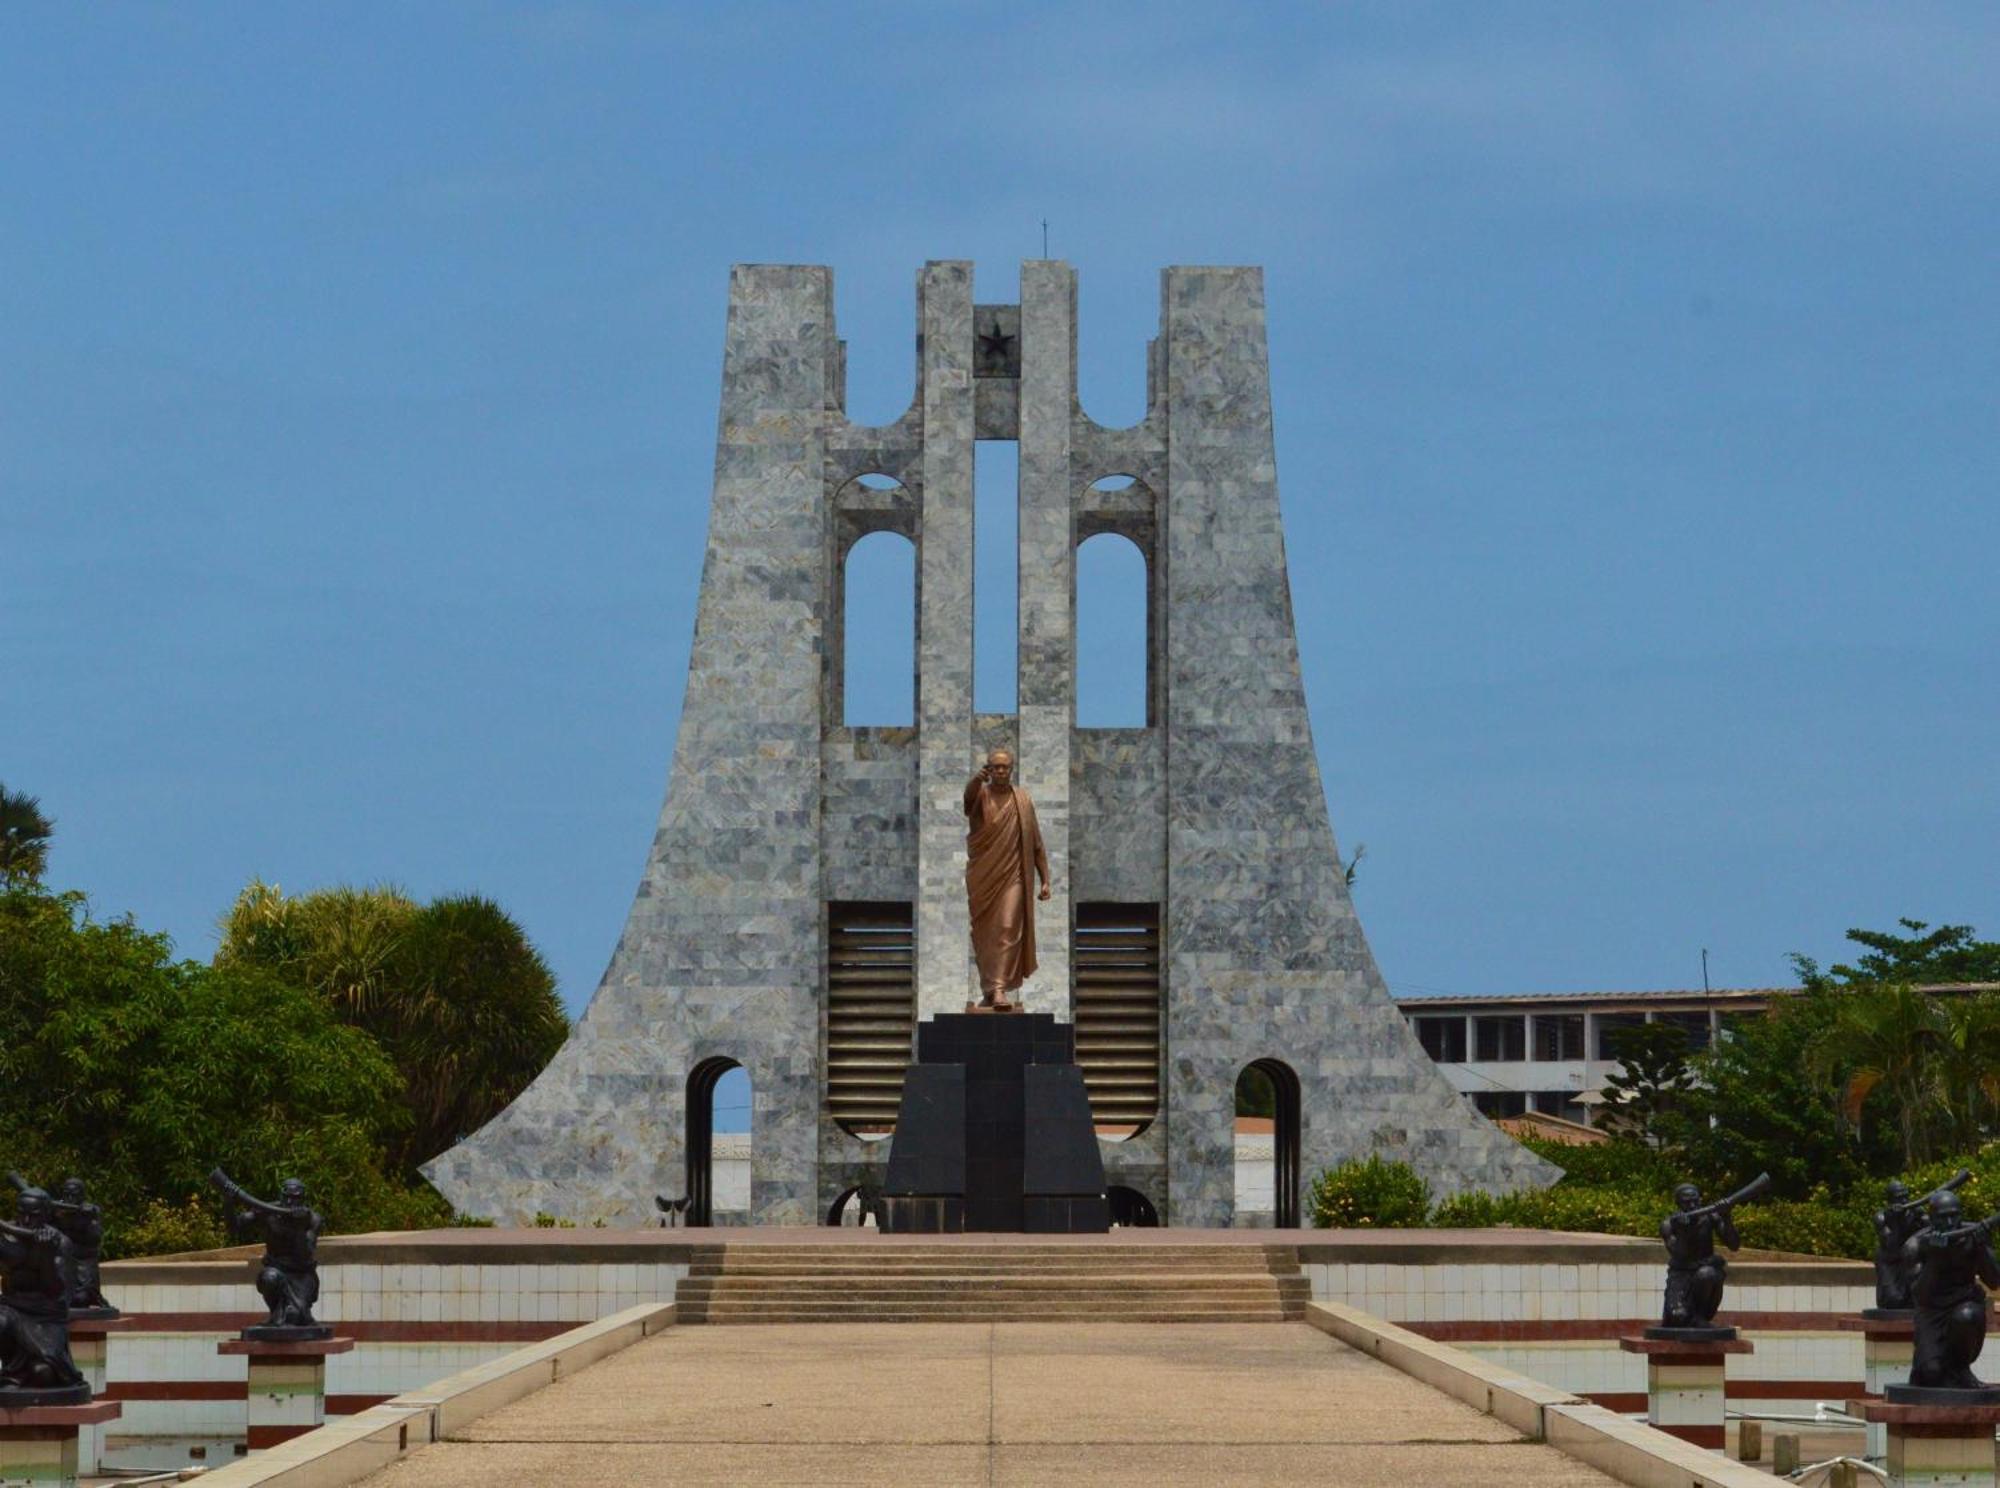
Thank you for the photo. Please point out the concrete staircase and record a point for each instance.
(888, 1281)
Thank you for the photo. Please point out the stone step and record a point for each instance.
(990, 1297)
(999, 1285)
(956, 1268)
(874, 1314)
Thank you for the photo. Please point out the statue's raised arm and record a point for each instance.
(236, 1191)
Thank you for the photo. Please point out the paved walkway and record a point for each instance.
(981, 1403)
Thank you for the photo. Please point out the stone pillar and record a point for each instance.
(1935, 1446)
(944, 639)
(1888, 1344)
(88, 1346)
(1685, 1386)
(39, 1444)
(287, 1386)
(1048, 593)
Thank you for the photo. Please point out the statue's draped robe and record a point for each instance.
(34, 1316)
(1003, 848)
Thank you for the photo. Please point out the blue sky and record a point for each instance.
(1636, 372)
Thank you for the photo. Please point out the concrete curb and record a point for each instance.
(1627, 1450)
(349, 1450)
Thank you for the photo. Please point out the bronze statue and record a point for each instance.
(288, 1278)
(1896, 1221)
(1950, 1259)
(1004, 853)
(1694, 1271)
(83, 1222)
(39, 1266)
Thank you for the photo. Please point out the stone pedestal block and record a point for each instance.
(89, 1347)
(995, 1114)
(1888, 1343)
(287, 1386)
(1684, 1385)
(1935, 1446)
(39, 1445)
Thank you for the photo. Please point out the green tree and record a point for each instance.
(1755, 1107)
(1653, 1078)
(452, 990)
(1880, 1058)
(1950, 954)
(25, 830)
(142, 1072)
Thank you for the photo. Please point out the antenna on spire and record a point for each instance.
(1045, 237)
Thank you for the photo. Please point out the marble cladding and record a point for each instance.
(1216, 810)
(1265, 955)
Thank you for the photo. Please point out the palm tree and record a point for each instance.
(1969, 1066)
(1887, 1041)
(24, 838)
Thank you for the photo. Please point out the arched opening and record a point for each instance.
(1130, 1209)
(1266, 1142)
(996, 576)
(860, 1207)
(718, 1102)
(1111, 661)
(878, 666)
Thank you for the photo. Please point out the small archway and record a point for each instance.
(703, 1080)
(1266, 1144)
(1130, 1209)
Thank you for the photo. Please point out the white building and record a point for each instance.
(1551, 1052)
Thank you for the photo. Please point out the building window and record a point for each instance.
(1694, 1025)
(1559, 1035)
(1500, 1102)
(1443, 1039)
(1608, 1026)
(1561, 1103)
(1500, 1040)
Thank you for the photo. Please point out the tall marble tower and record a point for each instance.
(803, 904)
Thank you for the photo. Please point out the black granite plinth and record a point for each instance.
(16, 1400)
(1937, 1395)
(994, 1115)
(266, 1333)
(1691, 1335)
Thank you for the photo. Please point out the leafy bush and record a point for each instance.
(169, 1068)
(1619, 1163)
(1369, 1194)
(1819, 1227)
(162, 1228)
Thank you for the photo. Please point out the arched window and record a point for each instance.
(1266, 1140)
(718, 1107)
(879, 632)
(1111, 606)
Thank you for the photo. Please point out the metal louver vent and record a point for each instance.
(871, 1010)
(1117, 996)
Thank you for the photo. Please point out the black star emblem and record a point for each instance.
(996, 345)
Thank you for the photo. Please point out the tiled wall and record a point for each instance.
(413, 1324)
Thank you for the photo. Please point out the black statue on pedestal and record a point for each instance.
(288, 1277)
(1896, 1221)
(1694, 1270)
(35, 1366)
(83, 1222)
(1950, 1259)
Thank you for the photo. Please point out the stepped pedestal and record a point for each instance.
(287, 1385)
(89, 1348)
(1935, 1443)
(1684, 1381)
(994, 1132)
(1888, 1345)
(39, 1443)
